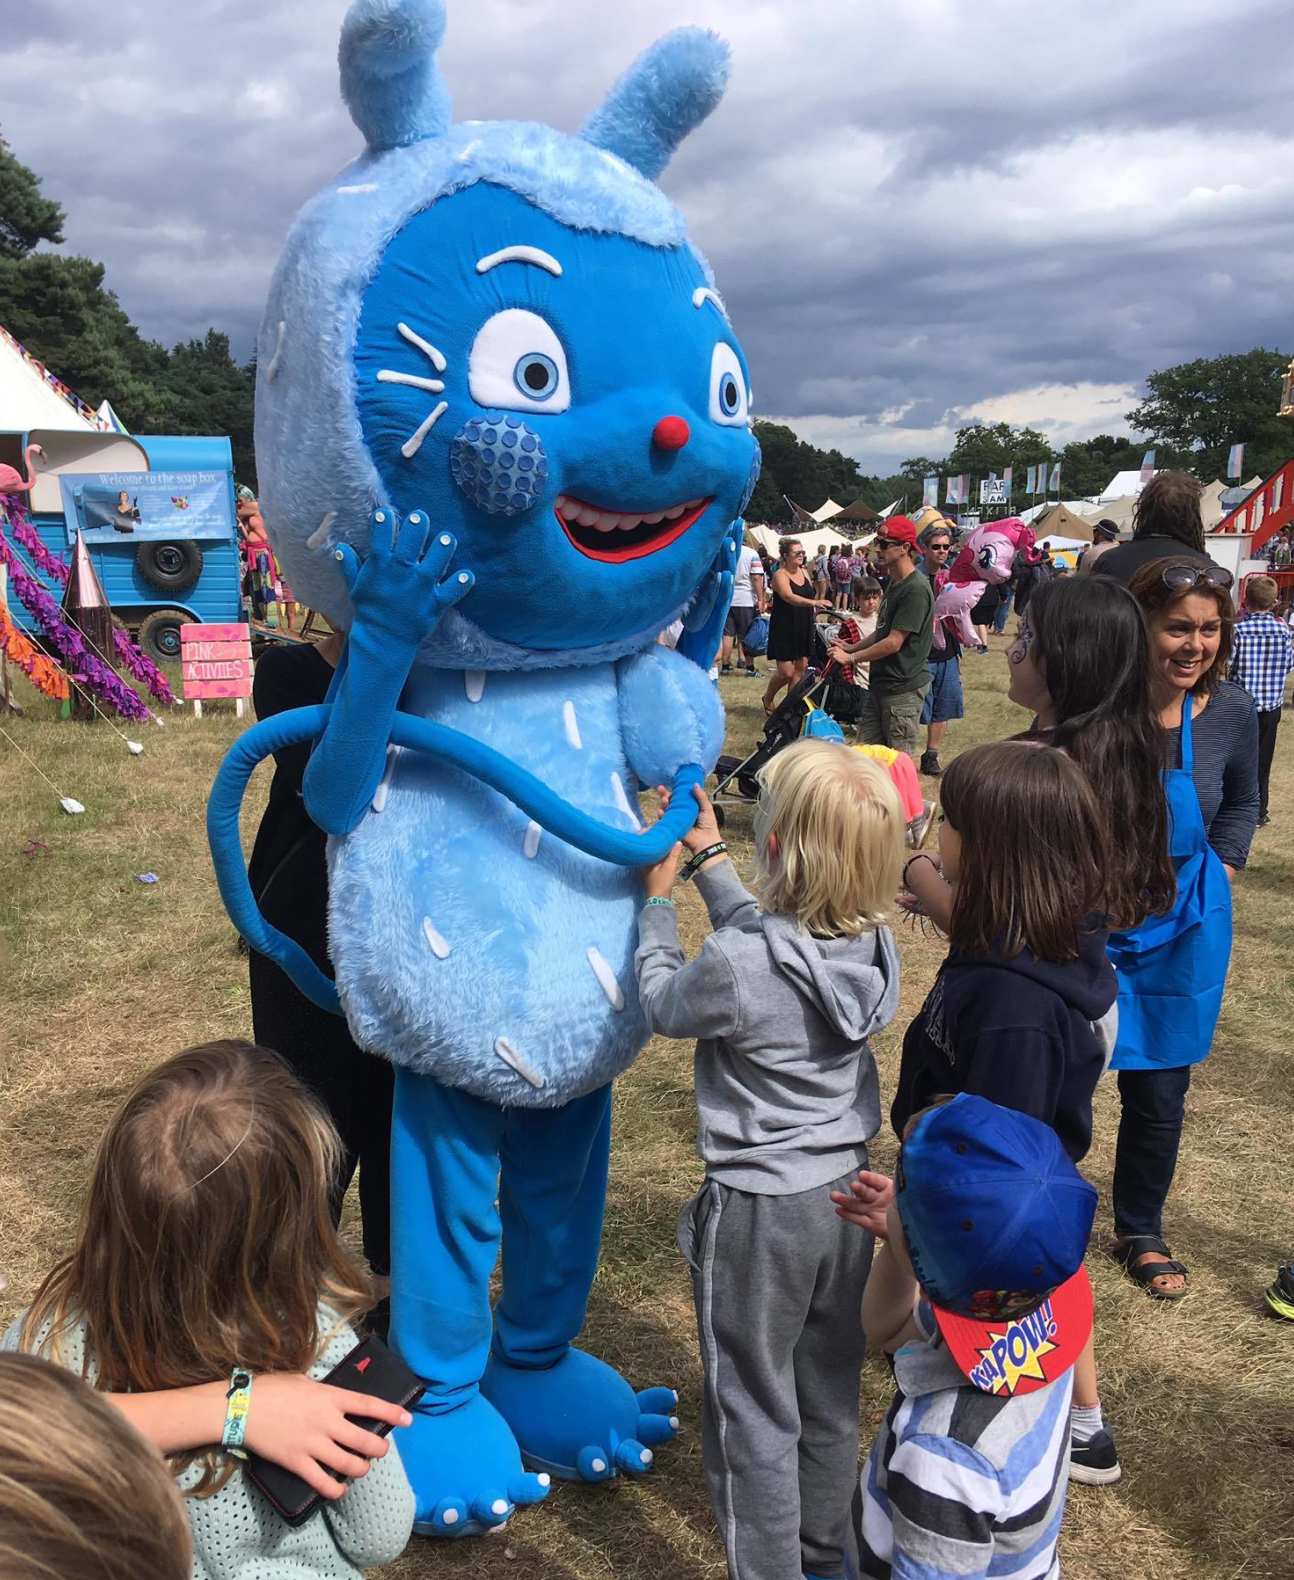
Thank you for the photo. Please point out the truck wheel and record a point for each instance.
(159, 636)
(171, 566)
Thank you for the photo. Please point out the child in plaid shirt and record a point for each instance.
(1262, 656)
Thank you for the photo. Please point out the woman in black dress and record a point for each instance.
(790, 629)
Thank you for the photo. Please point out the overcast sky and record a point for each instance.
(920, 211)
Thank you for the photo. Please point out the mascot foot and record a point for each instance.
(580, 1420)
(465, 1470)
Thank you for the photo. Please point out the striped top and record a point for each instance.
(959, 1482)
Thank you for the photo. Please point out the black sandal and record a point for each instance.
(1126, 1251)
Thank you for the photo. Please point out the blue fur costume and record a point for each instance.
(470, 344)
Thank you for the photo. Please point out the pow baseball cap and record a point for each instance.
(997, 1220)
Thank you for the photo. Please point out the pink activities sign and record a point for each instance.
(216, 661)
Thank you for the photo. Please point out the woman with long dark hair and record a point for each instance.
(1172, 970)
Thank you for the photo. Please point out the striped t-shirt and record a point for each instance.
(960, 1482)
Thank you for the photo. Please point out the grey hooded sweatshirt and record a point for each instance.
(786, 1086)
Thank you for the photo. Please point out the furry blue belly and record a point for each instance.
(471, 946)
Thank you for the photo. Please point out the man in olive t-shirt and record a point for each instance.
(899, 647)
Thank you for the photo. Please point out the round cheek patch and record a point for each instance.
(499, 463)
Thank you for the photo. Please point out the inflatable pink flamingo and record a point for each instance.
(12, 481)
(985, 557)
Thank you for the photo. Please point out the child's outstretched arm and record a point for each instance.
(678, 998)
(891, 1290)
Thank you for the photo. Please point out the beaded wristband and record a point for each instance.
(239, 1399)
(658, 899)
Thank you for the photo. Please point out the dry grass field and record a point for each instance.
(102, 975)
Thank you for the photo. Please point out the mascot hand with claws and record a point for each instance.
(503, 439)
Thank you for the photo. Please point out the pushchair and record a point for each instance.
(807, 710)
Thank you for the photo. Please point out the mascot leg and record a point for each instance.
(460, 1455)
(573, 1415)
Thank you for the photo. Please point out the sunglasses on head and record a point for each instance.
(1179, 577)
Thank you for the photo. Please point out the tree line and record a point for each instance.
(59, 307)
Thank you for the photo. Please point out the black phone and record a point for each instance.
(370, 1368)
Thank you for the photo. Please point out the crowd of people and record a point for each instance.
(207, 1293)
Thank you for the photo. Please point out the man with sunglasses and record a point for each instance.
(944, 700)
(899, 647)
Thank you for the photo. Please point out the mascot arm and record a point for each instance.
(399, 594)
(669, 715)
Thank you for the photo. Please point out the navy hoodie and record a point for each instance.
(1030, 1034)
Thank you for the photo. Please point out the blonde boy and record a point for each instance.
(782, 999)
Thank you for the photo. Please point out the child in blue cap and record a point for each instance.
(980, 1295)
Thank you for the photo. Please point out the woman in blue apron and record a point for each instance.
(1173, 967)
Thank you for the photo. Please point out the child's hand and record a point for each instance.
(705, 831)
(301, 1424)
(866, 1202)
(659, 879)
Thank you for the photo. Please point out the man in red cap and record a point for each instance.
(897, 650)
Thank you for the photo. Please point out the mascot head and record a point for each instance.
(507, 327)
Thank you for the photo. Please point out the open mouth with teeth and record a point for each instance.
(624, 535)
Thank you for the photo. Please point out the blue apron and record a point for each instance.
(1172, 970)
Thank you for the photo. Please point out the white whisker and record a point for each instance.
(413, 443)
(704, 294)
(435, 357)
(390, 376)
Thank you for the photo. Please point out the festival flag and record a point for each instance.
(1235, 461)
(953, 491)
(1054, 480)
(1006, 479)
(930, 491)
(1147, 467)
(1031, 480)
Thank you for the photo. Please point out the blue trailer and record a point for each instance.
(158, 517)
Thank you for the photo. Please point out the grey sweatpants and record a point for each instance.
(778, 1284)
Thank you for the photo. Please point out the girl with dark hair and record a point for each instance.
(1081, 664)
(1018, 1012)
(1173, 968)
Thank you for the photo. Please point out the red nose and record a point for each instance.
(670, 433)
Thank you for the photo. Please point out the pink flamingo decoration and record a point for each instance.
(12, 481)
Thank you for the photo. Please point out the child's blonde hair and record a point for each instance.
(206, 1240)
(81, 1493)
(840, 830)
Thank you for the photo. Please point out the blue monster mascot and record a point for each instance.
(503, 438)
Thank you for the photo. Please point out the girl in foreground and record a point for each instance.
(205, 1248)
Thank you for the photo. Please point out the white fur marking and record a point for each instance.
(530, 845)
(598, 1465)
(320, 534)
(606, 978)
(390, 376)
(704, 294)
(413, 443)
(513, 1059)
(435, 940)
(436, 358)
(384, 787)
(571, 725)
(622, 802)
(466, 152)
(272, 366)
(474, 681)
(360, 186)
(535, 255)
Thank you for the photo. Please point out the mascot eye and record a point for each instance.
(987, 557)
(728, 399)
(517, 364)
